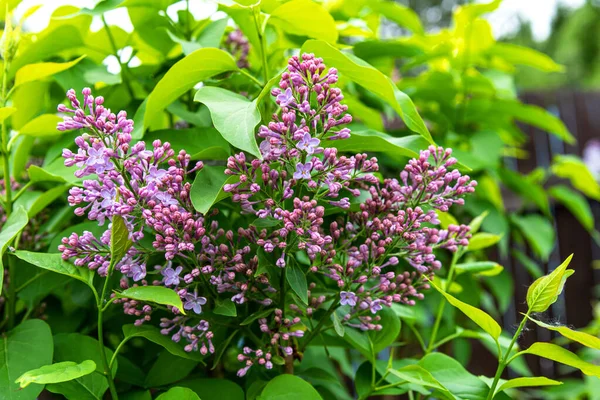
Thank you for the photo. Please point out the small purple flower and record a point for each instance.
(376, 306)
(99, 160)
(155, 174)
(303, 171)
(166, 199)
(348, 298)
(171, 276)
(286, 98)
(137, 272)
(108, 197)
(194, 302)
(308, 143)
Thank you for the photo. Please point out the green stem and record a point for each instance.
(12, 294)
(116, 352)
(263, 44)
(124, 68)
(252, 78)
(315, 332)
(505, 359)
(105, 363)
(442, 305)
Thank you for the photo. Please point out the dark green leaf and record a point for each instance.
(54, 262)
(179, 393)
(153, 334)
(225, 307)
(538, 231)
(575, 203)
(27, 347)
(214, 388)
(207, 188)
(297, 280)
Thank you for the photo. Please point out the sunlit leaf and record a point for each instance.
(55, 373)
(573, 168)
(563, 356)
(305, 18)
(545, 290)
(153, 294)
(11, 228)
(585, 339)
(39, 71)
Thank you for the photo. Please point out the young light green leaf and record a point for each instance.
(6, 112)
(297, 280)
(305, 18)
(527, 382)
(119, 241)
(153, 334)
(476, 315)
(153, 294)
(233, 115)
(225, 307)
(545, 290)
(520, 55)
(446, 219)
(563, 356)
(574, 169)
(477, 221)
(181, 77)
(371, 79)
(13, 225)
(289, 387)
(585, 339)
(179, 393)
(207, 188)
(576, 203)
(487, 268)
(55, 373)
(39, 71)
(27, 347)
(54, 262)
(398, 13)
(483, 240)
(419, 376)
(44, 125)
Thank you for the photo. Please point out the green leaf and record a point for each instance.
(400, 14)
(374, 141)
(79, 348)
(55, 373)
(545, 290)
(297, 280)
(37, 174)
(573, 168)
(337, 324)
(520, 55)
(225, 307)
(207, 188)
(153, 334)
(181, 77)
(535, 116)
(153, 294)
(483, 240)
(419, 376)
(305, 18)
(233, 115)
(34, 201)
(11, 228)
(289, 387)
(54, 262)
(27, 347)
(44, 125)
(575, 203)
(477, 221)
(39, 71)
(487, 268)
(538, 231)
(179, 393)
(6, 112)
(585, 339)
(257, 315)
(199, 143)
(168, 369)
(371, 79)
(454, 377)
(119, 241)
(476, 315)
(563, 356)
(528, 190)
(49, 43)
(214, 388)
(527, 382)
(390, 323)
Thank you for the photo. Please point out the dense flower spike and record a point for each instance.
(362, 243)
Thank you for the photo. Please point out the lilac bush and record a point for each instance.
(369, 241)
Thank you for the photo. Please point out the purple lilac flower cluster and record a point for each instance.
(362, 243)
(237, 44)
